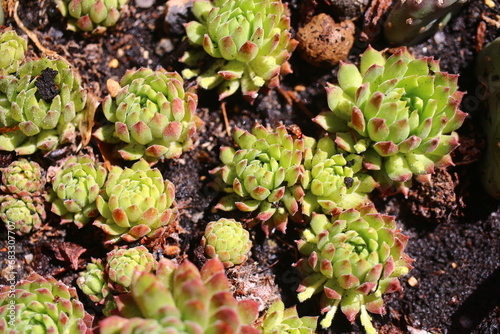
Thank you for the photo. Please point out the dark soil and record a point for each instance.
(454, 226)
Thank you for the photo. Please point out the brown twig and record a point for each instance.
(292, 99)
(31, 34)
(226, 121)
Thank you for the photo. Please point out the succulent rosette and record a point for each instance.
(12, 49)
(399, 112)
(122, 263)
(249, 39)
(181, 299)
(23, 178)
(227, 239)
(412, 21)
(135, 202)
(152, 115)
(23, 215)
(488, 72)
(41, 106)
(76, 185)
(93, 281)
(91, 15)
(279, 320)
(43, 305)
(333, 181)
(352, 259)
(264, 174)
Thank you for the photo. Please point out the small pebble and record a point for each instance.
(164, 46)
(299, 88)
(114, 63)
(412, 281)
(28, 258)
(144, 3)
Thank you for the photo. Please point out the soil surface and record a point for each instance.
(454, 226)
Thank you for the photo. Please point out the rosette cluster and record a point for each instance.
(152, 116)
(93, 281)
(352, 259)
(76, 185)
(135, 202)
(21, 204)
(43, 305)
(278, 320)
(22, 214)
(91, 15)
(249, 39)
(103, 279)
(23, 178)
(333, 181)
(181, 299)
(12, 49)
(41, 107)
(264, 174)
(399, 113)
(121, 264)
(278, 174)
(228, 240)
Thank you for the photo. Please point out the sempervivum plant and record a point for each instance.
(76, 186)
(152, 115)
(12, 49)
(22, 215)
(227, 239)
(352, 259)
(91, 15)
(488, 72)
(181, 299)
(93, 281)
(135, 202)
(398, 112)
(249, 39)
(43, 305)
(23, 178)
(41, 106)
(264, 174)
(279, 320)
(332, 181)
(412, 21)
(122, 262)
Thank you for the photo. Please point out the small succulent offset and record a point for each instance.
(488, 72)
(411, 21)
(91, 15)
(181, 299)
(135, 202)
(227, 239)
(332, 180)
(123, 262)
(263, 175)
(93, 281)
(152, 115)
(398, 112)
(279, 320)
(352, 259)
(12, 49)
(249, 39)
(23, 214)
(43, 305)
(41, 106)
(23, 178)
(76, 186)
